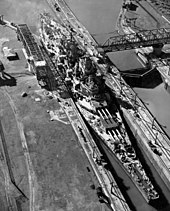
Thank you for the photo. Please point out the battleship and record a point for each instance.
(93, 98)
(125, 146)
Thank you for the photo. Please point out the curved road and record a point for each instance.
(31, 173)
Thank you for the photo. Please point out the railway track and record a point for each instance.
(86, 43)
(94, 155)
(151, 125)
(6, 154)
(105, 178)
(8, 175)
(147, 124)
(150, 129)
(31, 174)
(104, 113)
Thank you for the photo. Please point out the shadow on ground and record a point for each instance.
(7, 80)
(148, 80)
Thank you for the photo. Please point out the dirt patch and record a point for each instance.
(58, 160)
(63, 182)
(162, 6)
(148, 17)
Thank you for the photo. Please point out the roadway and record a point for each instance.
(150, 127)
(7, 171)
(31, 173)
(104, 177)
(129, 96)
(86, 141)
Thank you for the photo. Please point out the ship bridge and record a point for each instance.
(146, 38)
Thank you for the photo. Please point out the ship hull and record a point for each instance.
(166, 83)
(103, 139)
(92, 99)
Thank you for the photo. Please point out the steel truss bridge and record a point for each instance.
(43, 68)
(30, 45)
(136, 40)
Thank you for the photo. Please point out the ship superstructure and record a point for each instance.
(93, 99)
(71, 62)
(151, 137)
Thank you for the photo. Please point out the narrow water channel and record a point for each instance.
(100, 17)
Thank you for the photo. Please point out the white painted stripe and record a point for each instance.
(165, 19)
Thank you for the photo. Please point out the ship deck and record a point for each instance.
(147, 126)
(146, 123)
(105, 178)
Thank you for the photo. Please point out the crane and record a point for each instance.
(7, 23)
(139, 39)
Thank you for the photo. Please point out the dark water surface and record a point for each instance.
(100, 17)
(158, 100)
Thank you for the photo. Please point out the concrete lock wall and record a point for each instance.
(141, 140)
